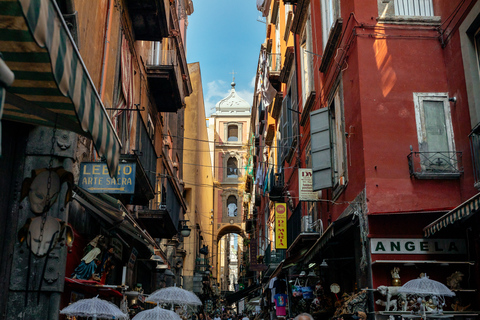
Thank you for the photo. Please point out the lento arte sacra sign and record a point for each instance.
(418, 246)
(94, 178)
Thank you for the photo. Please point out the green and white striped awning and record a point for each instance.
(464, 210)
(52, 85)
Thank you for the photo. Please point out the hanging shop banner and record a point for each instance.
(95, 178)
(305, 187)
(418, 246)
(280, 226)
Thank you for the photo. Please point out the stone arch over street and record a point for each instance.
(233, 228)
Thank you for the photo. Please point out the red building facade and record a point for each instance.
(386, 99)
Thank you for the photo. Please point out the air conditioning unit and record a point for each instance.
(306, 225)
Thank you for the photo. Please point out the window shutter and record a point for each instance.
(294, 106)
(285, 124)
(321, 149)
(423, 8)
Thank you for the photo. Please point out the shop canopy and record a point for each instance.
(94, 288)
(112, 211)
(52, 86)
(234, 297)
(463, 211)
(335, 229)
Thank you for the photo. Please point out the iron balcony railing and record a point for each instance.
(168, 200)
(167, 58)
(275, 62)
(146, 152)
(475, 147)
(435, 165)
(294, 225)
(273, 257)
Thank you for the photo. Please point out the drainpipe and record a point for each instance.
(106, 46)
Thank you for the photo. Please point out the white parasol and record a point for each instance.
(157, 313)
(426, 287)
(95, 308)
(175, 295)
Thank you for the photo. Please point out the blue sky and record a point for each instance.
(225, 36)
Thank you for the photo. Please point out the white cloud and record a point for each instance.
(216, 91)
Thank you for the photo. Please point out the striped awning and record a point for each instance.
(464, 210)
(52, 86)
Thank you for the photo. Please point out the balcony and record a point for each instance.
(276, 192)
(167, 76)
(273, 257)
(162, 221)
(145, 158)
(287, 64)
(275, 67)
(149, 19)
(300, 234)
(435, 165)
(475, 147)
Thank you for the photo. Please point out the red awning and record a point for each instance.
(93, 287)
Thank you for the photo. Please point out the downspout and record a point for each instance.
(69, 7)
(106, 46)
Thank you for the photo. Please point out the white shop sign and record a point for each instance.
(305, 187)
(418, 246)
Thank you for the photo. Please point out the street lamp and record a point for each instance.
(185, 230)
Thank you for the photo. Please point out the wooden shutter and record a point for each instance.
(321, 149)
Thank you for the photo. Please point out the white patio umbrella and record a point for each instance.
(175, 295)
(157, 313)
(94, 308)
(425, 286)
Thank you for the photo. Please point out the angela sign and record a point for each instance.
(94, 178)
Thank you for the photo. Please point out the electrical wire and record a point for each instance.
(228, 143)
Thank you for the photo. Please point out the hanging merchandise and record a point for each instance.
(42, 233)
(307, 291)
(297, 288)
(281, 304)
(43, 187)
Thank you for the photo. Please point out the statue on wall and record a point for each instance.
(43, 187)
(453, 281)
(87, 266)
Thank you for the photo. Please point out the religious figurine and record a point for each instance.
(396, 277)
(453, 281)
(105, 266)
(87, 265)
